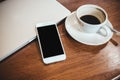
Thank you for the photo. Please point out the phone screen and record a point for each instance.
(50, 42)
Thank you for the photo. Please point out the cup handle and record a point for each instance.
(103, 31)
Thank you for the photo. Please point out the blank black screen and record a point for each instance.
(50, 42)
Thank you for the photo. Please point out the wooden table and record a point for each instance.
(83, 62)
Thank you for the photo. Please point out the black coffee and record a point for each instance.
(90, 19)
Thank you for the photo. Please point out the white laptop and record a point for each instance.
(18, 19)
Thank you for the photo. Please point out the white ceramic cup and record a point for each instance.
(96, 11)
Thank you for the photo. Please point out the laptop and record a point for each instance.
(18, 19)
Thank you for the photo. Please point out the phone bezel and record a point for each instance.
(51, 59)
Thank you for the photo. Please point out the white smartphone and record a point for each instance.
(50, 43)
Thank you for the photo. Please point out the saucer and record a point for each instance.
(74, 29)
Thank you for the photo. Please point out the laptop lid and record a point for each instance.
(18, 19)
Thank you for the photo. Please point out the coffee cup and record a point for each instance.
(92, 18)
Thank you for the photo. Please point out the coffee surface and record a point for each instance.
(90, 19)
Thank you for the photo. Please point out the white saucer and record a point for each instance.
(74, 29)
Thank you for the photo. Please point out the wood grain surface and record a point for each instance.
(83, 62)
